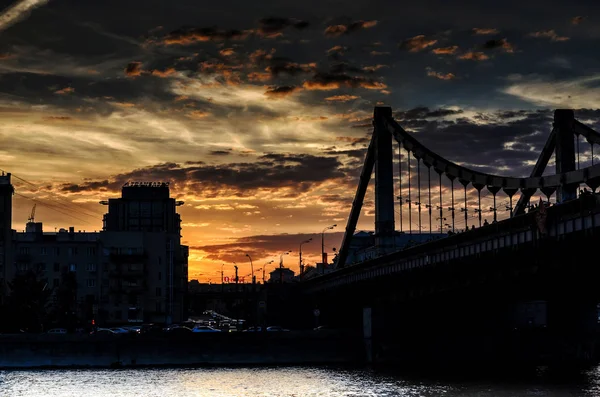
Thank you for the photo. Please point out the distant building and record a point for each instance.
(133, 271)
(281, 275)
(148, 265)
(6, 270)
(362, 246)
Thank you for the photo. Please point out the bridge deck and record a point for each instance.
(575, 216)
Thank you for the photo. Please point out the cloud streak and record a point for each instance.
(18, 12)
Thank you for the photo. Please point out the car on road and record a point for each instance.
(277, 328)
(205, 328)
(57, 331)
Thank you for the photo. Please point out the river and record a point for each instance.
(267, 382)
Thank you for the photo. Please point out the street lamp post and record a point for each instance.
(251, 269)
(264, 269)
(323, 257)
(281, 266)
(222, 273)
(301, 265)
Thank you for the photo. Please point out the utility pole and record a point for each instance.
(222, 285)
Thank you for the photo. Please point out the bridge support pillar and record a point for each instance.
(565, 151)
(384, 182)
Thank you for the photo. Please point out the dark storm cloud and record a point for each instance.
(424, 112)
(509, 139)
(353, 153)
(347, 28)
(353, 141)
(281, 91)
(133, 69)
(498, 43)
(280, 65)
(272, 26)
(262, 247)
(220, 152)
(271, 171)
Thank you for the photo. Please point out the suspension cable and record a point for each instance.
(400, 181)
(409, 194)
(419, 190)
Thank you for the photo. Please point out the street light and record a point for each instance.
(251, 267)
(301, 265)
(323, 258)
(281, 258)
(264, 269)
(281, 266)
(222, 273)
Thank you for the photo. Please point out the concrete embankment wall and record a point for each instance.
(289, 348)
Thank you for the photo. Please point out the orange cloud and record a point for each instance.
(352, 140)
(417, 43)
(338, 30)
(190, 36)
(327, 82)
(198, 114)
(261, 55)
(374, 68)
(550, 34)
(66, 90)
(485, 31)
(577, 20)
(440, 76)
(259, 76)
(341, 98)
(474, 56)
(374, 53)
(123, 104)
(227, 52)
(321, 85)
(58, 118)
(338, 49)
(163, 73)
(445, 50)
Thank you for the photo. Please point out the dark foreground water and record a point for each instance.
(292, 381)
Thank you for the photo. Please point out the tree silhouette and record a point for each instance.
(28, 302)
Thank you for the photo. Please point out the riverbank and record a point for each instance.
(121, 351)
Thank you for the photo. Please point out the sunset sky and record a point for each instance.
(258, 113)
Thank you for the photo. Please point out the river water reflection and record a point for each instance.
(267, 382)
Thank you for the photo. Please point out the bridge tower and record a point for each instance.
(565, 151)
(565, 181)
(384, 183)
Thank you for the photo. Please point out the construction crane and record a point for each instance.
(32, 216)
